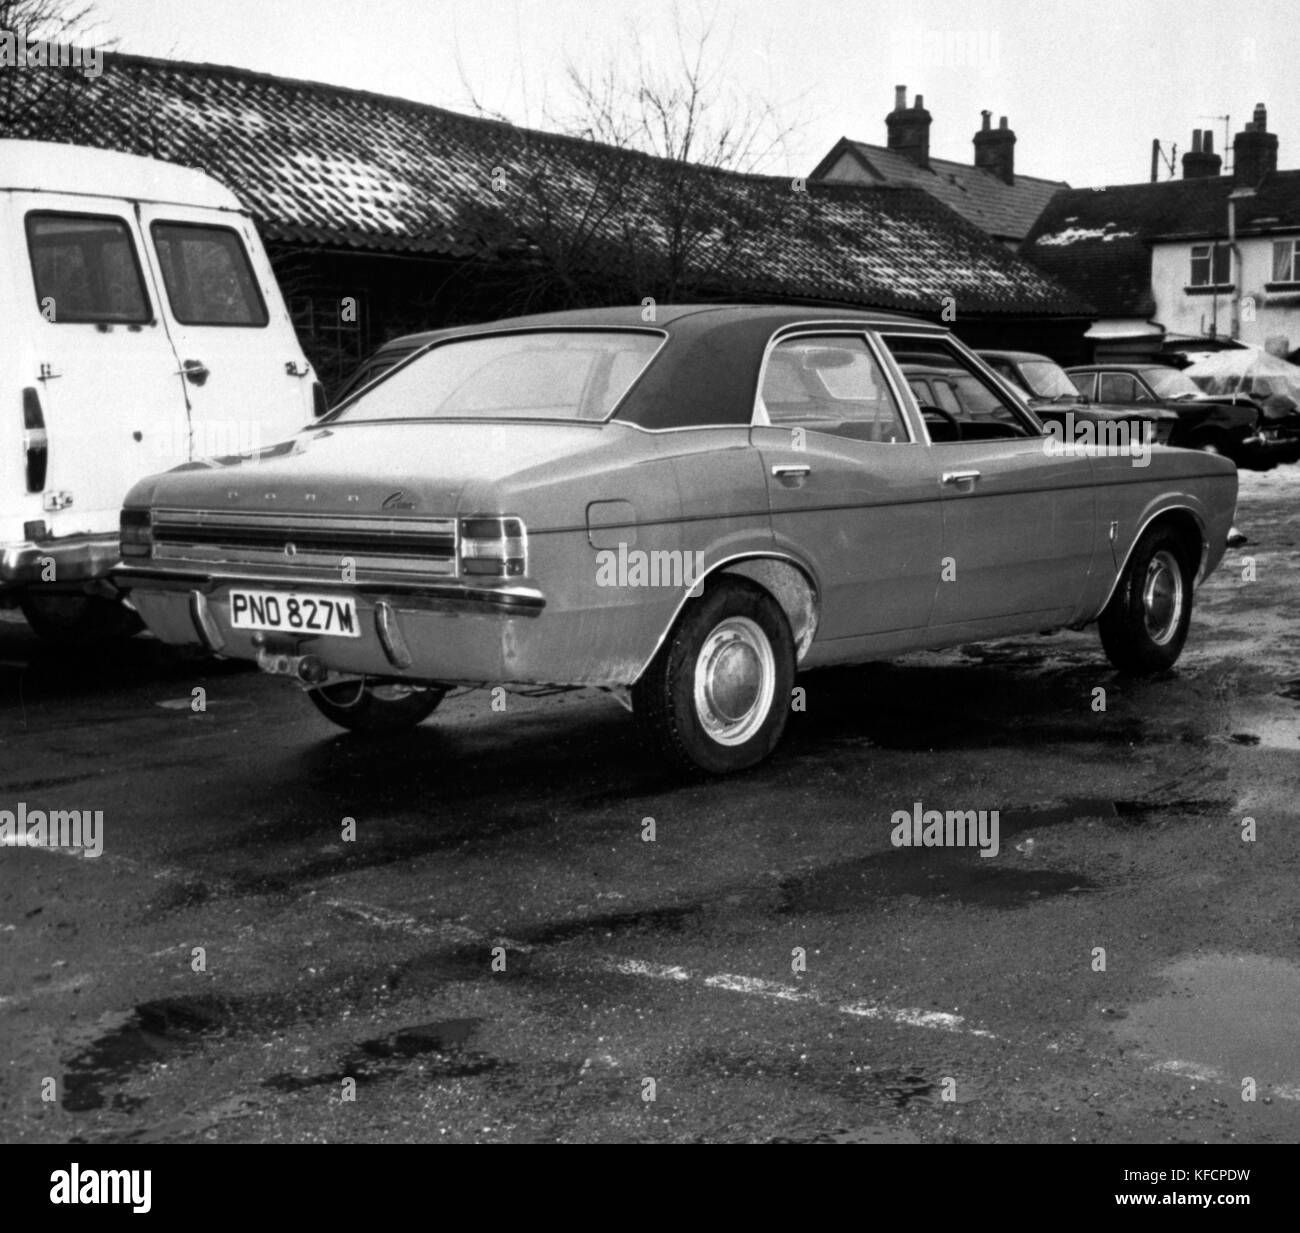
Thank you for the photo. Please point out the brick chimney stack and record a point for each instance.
(909, 128)
(995, 149)
(1254, 149)
(1201, 161)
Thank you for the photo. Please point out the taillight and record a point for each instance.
(319, 403)
(493, 546)
(36, 444)
(137, 533)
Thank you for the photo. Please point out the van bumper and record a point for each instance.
(78, 558)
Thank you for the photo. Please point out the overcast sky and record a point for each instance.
(1085, 86)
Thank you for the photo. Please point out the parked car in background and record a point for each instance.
(142, 328)
(685, 512)
(1235, 428)
(1053, 396)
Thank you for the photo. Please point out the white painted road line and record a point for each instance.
(905, 1016)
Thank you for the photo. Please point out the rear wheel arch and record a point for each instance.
(790, 586)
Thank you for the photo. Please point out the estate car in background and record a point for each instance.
(686, 511)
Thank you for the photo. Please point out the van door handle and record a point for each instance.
(195, 371)
(294, 369)
(960, 477)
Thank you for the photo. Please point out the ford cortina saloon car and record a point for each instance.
(685, 511)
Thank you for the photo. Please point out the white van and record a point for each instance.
(141, 327)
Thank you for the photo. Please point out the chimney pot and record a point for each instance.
(909, 128)
(1196, 141)
(995, 149)
(1254, 149)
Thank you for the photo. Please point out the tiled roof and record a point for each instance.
(1004, 210)
(328, 166)
(1098, 240)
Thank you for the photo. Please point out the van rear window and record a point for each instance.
(86, 269)
(208, 276)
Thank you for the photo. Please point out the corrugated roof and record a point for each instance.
(1004, 210)
(1098, 240)
(324, 165)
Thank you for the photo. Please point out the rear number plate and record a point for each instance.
(292, 613)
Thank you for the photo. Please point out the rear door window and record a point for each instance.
(86, 270)
(208, 276)
(1117, 387)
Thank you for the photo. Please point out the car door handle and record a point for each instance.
(195, 371)
(791, 476)
(960, 477)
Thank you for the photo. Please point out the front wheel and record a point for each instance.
(362, 706)
(716, 696)
(1144, 626)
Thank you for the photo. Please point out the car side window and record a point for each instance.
(1117, 387)
(208, 276)
(1084, 382)
(86, 270)
(830, 383)
(984, 410)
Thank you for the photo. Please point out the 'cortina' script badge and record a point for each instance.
(397, 500)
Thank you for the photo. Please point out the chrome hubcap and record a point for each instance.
(1162, 597)
(735, 678)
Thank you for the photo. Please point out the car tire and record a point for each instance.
(1144, 626)
(368, 708)
(67, 618)
(716, 696)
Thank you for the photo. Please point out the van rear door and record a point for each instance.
(105, 379)
(247, 381)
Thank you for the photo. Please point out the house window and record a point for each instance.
(1286, 261)
(1202, 273)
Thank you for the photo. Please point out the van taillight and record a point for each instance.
(319, 403)
(36, 444)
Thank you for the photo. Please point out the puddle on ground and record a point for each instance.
(1123, 814)
(1271, 733)
(1291, 690)
(1223, 1017)
(930, 873)
(152, 1033)
(440, 1048)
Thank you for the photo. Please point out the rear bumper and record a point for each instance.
(413, 631)
(79, 558)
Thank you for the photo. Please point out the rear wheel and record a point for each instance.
(717, 695)
(363, 706)
(71, 619)
(1145, 624)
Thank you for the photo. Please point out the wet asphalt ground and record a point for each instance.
(497, 953)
